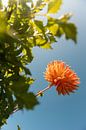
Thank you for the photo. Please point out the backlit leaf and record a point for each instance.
(54, 6)
(47, 46)
(53, 29)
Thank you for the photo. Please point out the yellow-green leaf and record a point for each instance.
(46, 46)
(54, 6)
(53, 29)
(65, 17)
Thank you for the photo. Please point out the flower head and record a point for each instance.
(60, 75)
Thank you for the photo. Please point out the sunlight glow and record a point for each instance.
(5, 3)
(34, 1)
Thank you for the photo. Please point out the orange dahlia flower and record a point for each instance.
(60, 75)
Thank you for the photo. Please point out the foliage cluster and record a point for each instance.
(20, 31)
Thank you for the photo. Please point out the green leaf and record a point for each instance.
(4, 121)
(53, 29)
(54, 6)
(46, 46)
(39, 26)
(20, 84)
(27, 71)
(29, 55)
(39, 5)
(70, 31)
(65, 17)
(27, 100)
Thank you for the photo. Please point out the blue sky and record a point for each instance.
(58, 112)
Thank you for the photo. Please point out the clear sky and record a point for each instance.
(58, 112)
